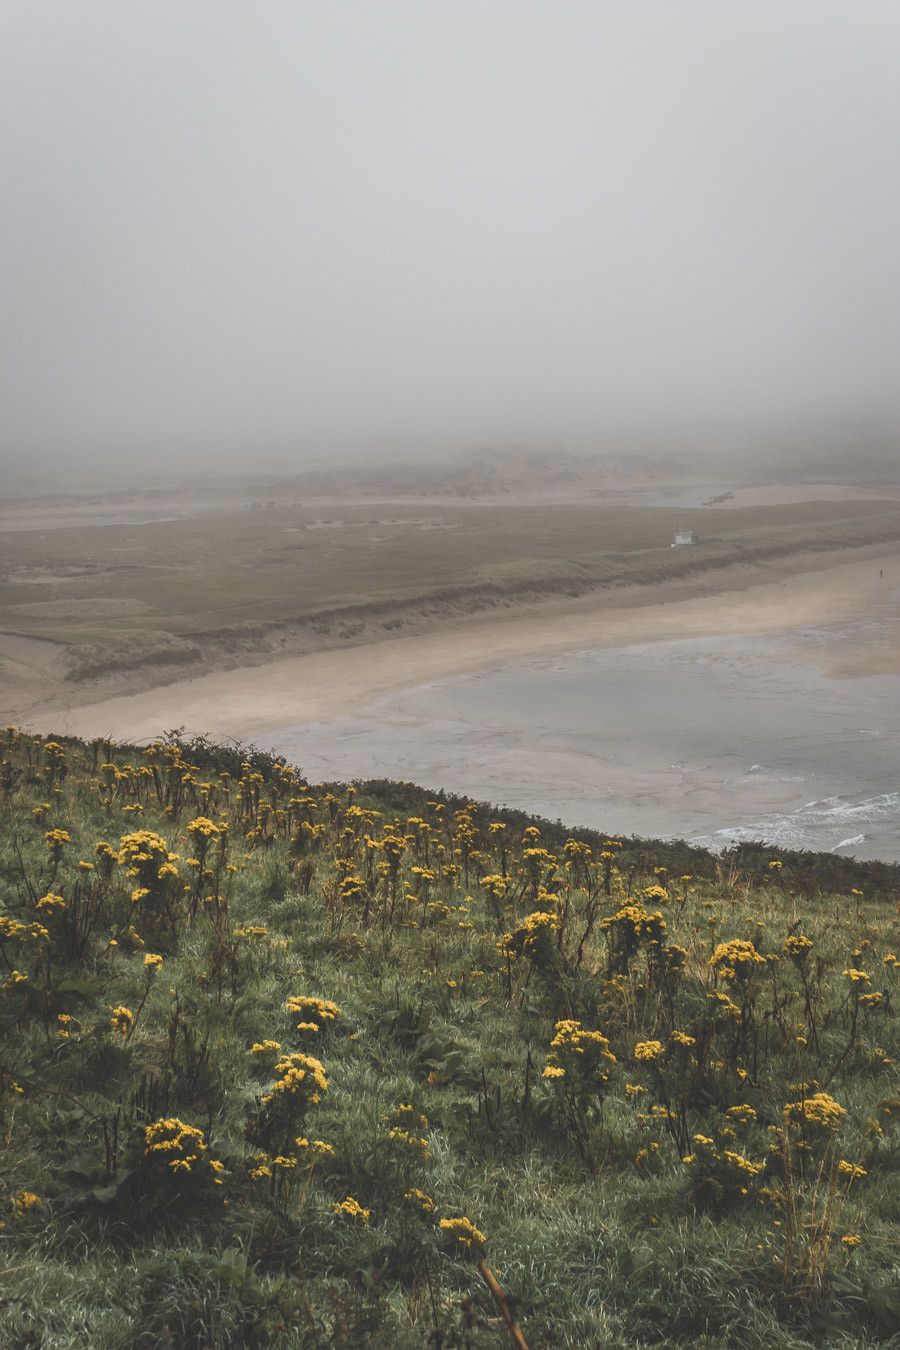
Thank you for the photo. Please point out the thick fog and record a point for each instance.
(294, 228)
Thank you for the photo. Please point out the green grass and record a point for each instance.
(448, 1003)
(231, 576)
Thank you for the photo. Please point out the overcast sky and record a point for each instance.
(288, 227)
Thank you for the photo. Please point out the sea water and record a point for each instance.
(715, 740)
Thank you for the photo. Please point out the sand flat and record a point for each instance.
(245, 702)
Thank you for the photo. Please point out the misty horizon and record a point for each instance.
(292, 234)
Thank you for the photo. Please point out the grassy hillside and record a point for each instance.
(280, 1065)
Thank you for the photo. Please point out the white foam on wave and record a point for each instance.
(832, 810)
(850, 843)
(808, 826)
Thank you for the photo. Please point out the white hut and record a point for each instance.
(683, 536)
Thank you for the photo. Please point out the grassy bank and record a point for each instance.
(260, 582)
(282, 1063)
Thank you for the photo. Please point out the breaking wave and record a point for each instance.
(816, 825)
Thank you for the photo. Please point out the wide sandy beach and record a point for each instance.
(851, 597)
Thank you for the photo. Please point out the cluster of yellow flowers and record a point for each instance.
(180, 1147)
(577, 1048)
(56, 840)
(646, 1051)
(656, 892)
(50, 903)
(317, 1147)
(728, 1170)
(121, 1020)
(269, 1167)
(741, 1115)
(12, 930)
(405, 1121)
(419, 1200)
(533, 928)
(722, 1005)
(314, 1013)
(351, 886)
(633, 923)
(141, 847)
(742, 1164)
(265, 1048)
(736, 960)
(299, 1075)
(571, 1035)
(352, 1209)
(417, 1143)
(819, 1112)
(463, 1231)
(204, 828)
(25, 1201)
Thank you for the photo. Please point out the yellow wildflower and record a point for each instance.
(50, 903)
(463, 1231)
(419, 1199)
(25, 1201)
(350, 1208)
(122, 1020)
(648, 1050)
(820, 1111)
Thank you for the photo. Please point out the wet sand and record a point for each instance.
(715, 740)
(852, 609)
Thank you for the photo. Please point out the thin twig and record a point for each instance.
(502, 1303)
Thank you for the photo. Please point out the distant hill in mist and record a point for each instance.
(488, 471)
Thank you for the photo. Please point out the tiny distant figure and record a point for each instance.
(881, 574)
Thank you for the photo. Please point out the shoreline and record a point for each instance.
(243, 702)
